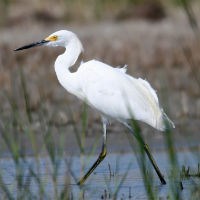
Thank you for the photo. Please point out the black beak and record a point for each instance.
(32, 45)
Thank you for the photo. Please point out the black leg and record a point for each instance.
(153, 162)
(147, 151)
(102, 155)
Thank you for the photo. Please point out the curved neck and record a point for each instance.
(71, 54)
(67, 79)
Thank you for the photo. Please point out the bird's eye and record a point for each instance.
(52, 38)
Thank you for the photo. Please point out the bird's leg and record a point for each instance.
(147, 150)
(102, 155)
(153, 162)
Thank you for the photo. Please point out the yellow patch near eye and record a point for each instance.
(52, 38)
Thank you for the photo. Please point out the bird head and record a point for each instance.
(59, 38)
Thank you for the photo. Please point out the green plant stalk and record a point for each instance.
(84, 119)
(5, 189)
(175, 188)
(84, 124)
(76, 131)
(121, 182)
(186, 4)
(51, 149)
(26, 95)
(142, 161)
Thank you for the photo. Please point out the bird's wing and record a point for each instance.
(117, 94)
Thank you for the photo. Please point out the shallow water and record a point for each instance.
(102, 184)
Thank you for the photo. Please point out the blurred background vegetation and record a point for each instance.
(87, 10)
(158, 39)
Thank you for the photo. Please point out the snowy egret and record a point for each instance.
(112, 92)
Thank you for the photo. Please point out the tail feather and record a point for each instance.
(163, 122)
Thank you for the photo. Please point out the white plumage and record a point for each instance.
(118, 95)
(109, 90)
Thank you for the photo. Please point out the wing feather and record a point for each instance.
(118, 95)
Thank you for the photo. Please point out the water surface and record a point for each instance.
(102, 184)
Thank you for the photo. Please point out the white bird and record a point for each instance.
(112, 92)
